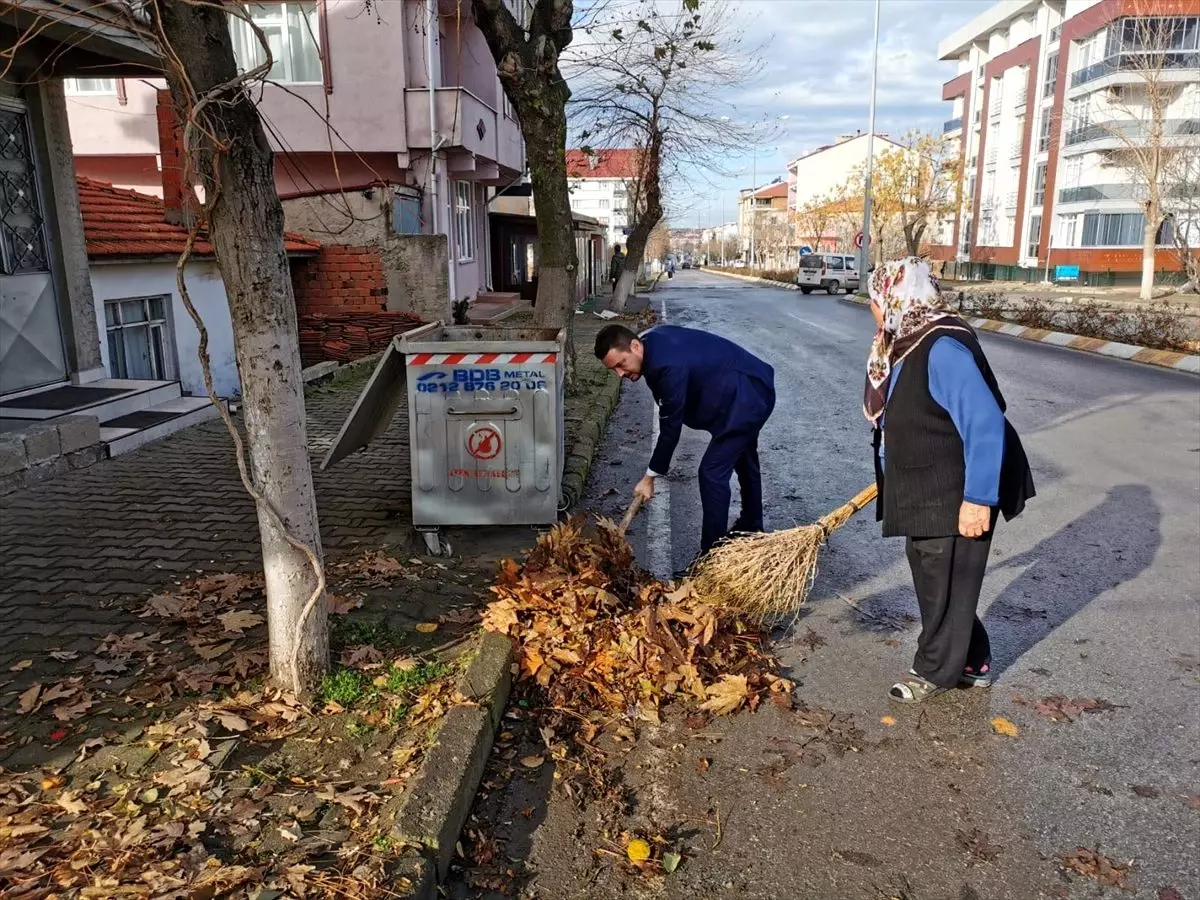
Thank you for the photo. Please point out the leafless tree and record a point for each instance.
(1137, 114)
(649, 79)
(1181, 207)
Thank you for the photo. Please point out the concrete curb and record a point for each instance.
(578, 463)
(753, 278)
(1163, 359)
(431, 814)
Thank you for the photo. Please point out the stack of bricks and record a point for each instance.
(340, 279)
(352, 336)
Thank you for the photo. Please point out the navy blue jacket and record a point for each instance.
(699, 380)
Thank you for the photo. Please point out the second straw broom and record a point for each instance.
(768, 576)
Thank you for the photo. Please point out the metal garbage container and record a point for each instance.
(485, 419)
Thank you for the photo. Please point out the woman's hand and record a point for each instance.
(645, 488)
(974, 520)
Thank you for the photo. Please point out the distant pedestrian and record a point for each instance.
(615, 266)
(947, 462)
(711, 384)
(671, 267)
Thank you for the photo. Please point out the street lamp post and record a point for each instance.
(864, 252)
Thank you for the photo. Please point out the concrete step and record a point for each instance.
(140, 427)
(106, 399)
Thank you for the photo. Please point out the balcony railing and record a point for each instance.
(951, 125)
(996, 107)
(990, 159)
(1126, 62)
(1131, 130)
(1093, 192)
(1014, 152)
(1022, 97)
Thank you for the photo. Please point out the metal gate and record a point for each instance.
(31, 341)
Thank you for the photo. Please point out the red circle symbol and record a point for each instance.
(484, 443)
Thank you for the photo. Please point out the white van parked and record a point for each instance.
(829, 272)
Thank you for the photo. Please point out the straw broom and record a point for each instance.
(768, 576)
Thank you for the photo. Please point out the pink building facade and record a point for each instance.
(360, 160)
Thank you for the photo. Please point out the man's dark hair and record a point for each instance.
(613, 337)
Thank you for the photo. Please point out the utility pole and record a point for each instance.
(864, 252)
(722, 228)
(753, 199)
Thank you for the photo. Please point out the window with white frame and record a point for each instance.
(604, 204)
(97, 87)
(464, 221)
(1067, 226)
(1035, 237)
(1051, 79)
(1039, 185)
(292, 31)
(1044, 134)
(1073, 172)
(139, 339)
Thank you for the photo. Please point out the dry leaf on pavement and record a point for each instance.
(28, 701)
(72, 804)
(427, 627)
(1091, 864)
(1003, 726)
(237, 621)
(21, 666)
(727, 695)
(532, 762)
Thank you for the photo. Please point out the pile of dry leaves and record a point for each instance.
(610, 645)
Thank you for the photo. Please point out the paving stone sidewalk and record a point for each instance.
(79, 553)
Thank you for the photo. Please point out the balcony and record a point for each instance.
(1115, 135)
(464, 122)
(990, 159)
(952, 125)
(1022, 97)
(1015, 150)
(1010, 200)
(1094, 193)
(1130, 62)
(996, 107)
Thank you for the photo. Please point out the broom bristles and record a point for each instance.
(767, 577)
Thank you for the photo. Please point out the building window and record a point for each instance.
(1039, 185)
(1066, 230)
(464, 221)
(1051, 75)
(139, 339)
(1120, 230)
(1044, 134)
(604, 204)
(291, 30)
(96, 87)
(1035, 237)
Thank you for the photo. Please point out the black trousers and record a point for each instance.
(948, 575)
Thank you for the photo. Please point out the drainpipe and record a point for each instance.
(431, 45)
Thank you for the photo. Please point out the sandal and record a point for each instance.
(914, 689)
(981, 678)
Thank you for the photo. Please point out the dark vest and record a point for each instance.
(921, 482)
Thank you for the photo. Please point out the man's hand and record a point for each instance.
(644, 488)
(974, 520)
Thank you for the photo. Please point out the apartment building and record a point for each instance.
(1046, 104)
(601, 183)
(391, 132)
(764, 225)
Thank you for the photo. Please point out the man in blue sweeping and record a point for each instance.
(710, 384)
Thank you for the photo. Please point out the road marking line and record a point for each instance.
(820, 327)
(658, 516)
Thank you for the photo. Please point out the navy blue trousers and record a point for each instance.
(735, 450)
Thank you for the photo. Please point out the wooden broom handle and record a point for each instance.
(863, 497)
(629, 514)
(846, 510)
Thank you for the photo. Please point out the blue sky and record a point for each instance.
(816, 70)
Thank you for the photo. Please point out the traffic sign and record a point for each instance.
(805, 250)
(858, 240)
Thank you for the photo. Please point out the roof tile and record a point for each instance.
(121, 222)
(602, 164)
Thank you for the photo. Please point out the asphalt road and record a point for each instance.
(1092, 594)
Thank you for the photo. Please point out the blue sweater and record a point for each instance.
(957, 385)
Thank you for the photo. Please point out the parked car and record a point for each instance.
(739, 264)
(829, 272)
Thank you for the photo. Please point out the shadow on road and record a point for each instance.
(1110, 545)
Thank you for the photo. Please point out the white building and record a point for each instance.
(820, 172)
(601, 183)
(1047, 98)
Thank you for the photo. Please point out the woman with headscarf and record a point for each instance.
(946, 460)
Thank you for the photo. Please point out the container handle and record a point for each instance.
(483, 413)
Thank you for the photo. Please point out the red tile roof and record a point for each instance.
(120, 222)
(773, 190)
(602, 164)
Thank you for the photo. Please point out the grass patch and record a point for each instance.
(352, 632)
(344, 687)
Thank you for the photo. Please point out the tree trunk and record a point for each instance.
(647, 219)
(557, 261)
(245, 224)
(1149, 236)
